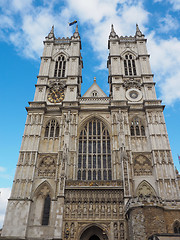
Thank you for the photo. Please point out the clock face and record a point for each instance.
(56, 96)
(133, 94)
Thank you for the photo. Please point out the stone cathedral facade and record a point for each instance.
(94, 167)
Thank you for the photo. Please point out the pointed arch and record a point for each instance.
(91, 229)
(94, 150)
(41, 204)
(137, 126)
(129, 60)
(56, 55)
(91, 117)
(43, 189)
(125, 52)
(52, 128)
(176, 227)
(145, 189)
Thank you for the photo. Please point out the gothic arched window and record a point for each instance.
(137, 128)
(46, 210)
(60, 67)
(94, 155)
(129, 65)
(176, 227)
(52, 129)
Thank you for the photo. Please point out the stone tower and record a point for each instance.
(94, 167)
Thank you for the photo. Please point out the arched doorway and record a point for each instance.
(93, 233)
(94, 237)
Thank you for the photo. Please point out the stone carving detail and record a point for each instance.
(132, 83)
(114, 183)
(93, 204)
(69, 230)
(122, 231)
(44, 191)
(115, 231)
(118, 231)
(27, 158)
(145, 189)
(47, 167)
(56, 84)
(142, 166)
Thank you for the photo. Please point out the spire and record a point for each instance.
(138, 32)
(76, 33)
(51, 34)
(52, 29)
(112, 33)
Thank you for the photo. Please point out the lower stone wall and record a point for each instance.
(170, 217)
(145, 221)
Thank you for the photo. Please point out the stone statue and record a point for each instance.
(115, 231)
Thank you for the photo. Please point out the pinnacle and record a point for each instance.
(138, 31)
(52, 29)
(112, 33)
(51, 34)
(76, 29)
(76, 33)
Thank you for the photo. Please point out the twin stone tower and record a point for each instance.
(94, 167)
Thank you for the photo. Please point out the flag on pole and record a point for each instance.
(179, 159)
(71, 23)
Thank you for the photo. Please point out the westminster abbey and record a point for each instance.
(94, 167)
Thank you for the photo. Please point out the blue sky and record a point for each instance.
(23, 27)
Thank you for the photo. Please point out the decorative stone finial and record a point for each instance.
(112, 33)
(94, 79)
(76, 33)
(138, 32)
(51, 34)
(52, 29)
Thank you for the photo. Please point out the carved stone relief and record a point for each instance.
(47, 167)
(145, 189)
(93, 204)
(142, 166)
(132, 83)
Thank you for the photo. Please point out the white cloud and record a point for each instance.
(19, 5)
(96, 16)
(93, 11)
(4, 195)
(165, 62)
(168, 23)
(101, 14)
(175, 3)
(2, 169)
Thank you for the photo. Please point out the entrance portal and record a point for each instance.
(94, 237)
(93, 233)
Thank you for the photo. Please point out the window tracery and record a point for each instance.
(94, 155)
(176, 227)
(52, 130)
(137, 128)
(94, 93)
(129, 65)
(46, 210)
(60, 67)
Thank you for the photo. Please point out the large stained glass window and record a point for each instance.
(94, 154)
